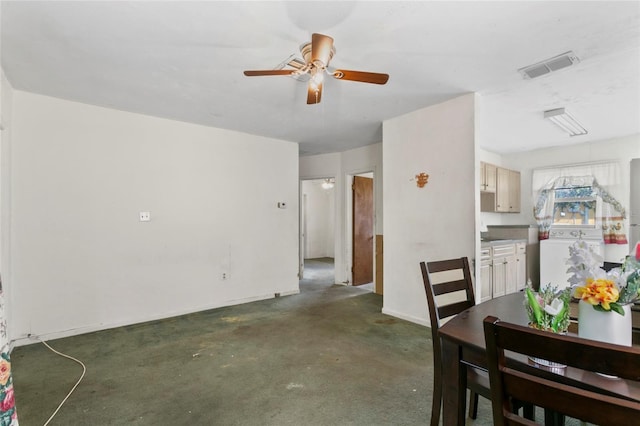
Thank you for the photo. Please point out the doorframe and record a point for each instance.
(301, 248)
(348, 218)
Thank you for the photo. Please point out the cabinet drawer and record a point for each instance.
(521, 248)
(485, 254)
(505, 250)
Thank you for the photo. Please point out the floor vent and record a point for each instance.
(552, 64)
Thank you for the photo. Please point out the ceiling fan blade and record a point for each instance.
(268, 72)
(364, 77)
(321, 46)
(314, 93)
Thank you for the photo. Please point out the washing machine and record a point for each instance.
(554, 253)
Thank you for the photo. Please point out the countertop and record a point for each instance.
(512, 226)
(499, 241)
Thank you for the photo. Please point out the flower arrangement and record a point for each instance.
(605, 291)
(548, 309)
(8, 414)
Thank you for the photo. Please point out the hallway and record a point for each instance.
(320, 272)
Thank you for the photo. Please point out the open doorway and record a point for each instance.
(317, 231)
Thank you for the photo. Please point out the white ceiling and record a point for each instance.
(184, 61)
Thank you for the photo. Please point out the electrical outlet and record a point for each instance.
(282, 205)
(145, 216)
(224, 275)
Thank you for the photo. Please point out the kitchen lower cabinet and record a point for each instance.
(503, 269)
(521, 266)
(499, 277)
(486, 277)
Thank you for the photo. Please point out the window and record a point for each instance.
(575, 207)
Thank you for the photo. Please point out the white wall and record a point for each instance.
(6, 113)
(83, 261)
(431, 223)
(320, 217)
(343, 165)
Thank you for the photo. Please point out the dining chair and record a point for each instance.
(441, 280)
(527, 382)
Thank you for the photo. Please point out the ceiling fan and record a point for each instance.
(317, 55)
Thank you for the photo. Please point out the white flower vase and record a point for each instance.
(609, 327)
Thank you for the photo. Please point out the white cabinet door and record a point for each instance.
(510, 273)
(502, 190)
(521, 271)
(486, 281)
(499, 277)
(514, 191)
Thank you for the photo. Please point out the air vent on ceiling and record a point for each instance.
(552, 64)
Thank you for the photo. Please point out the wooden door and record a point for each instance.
(362, 269)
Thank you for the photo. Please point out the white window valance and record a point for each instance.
(608, 174)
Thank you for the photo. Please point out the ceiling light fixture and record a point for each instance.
(561, 118)
(328, 183)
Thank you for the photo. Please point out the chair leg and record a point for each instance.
(473, 405)
(528, 410)
(436, 404)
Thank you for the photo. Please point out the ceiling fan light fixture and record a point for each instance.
(561, 118)
(317, 78)
(317, 55)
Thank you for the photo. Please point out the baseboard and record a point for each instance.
(410, 318)
(35, 338)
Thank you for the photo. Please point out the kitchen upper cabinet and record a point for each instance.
(487, 177)
(506, 196)
(514, 191)
(502, 190)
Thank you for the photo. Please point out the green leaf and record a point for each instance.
(537, 312)
(617, 308)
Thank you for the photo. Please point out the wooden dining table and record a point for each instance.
(463, 344)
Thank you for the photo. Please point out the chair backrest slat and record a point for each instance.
(447, 311)
(524, 383)
(449, 287)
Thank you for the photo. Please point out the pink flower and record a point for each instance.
(9, 401)
(5, 371)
